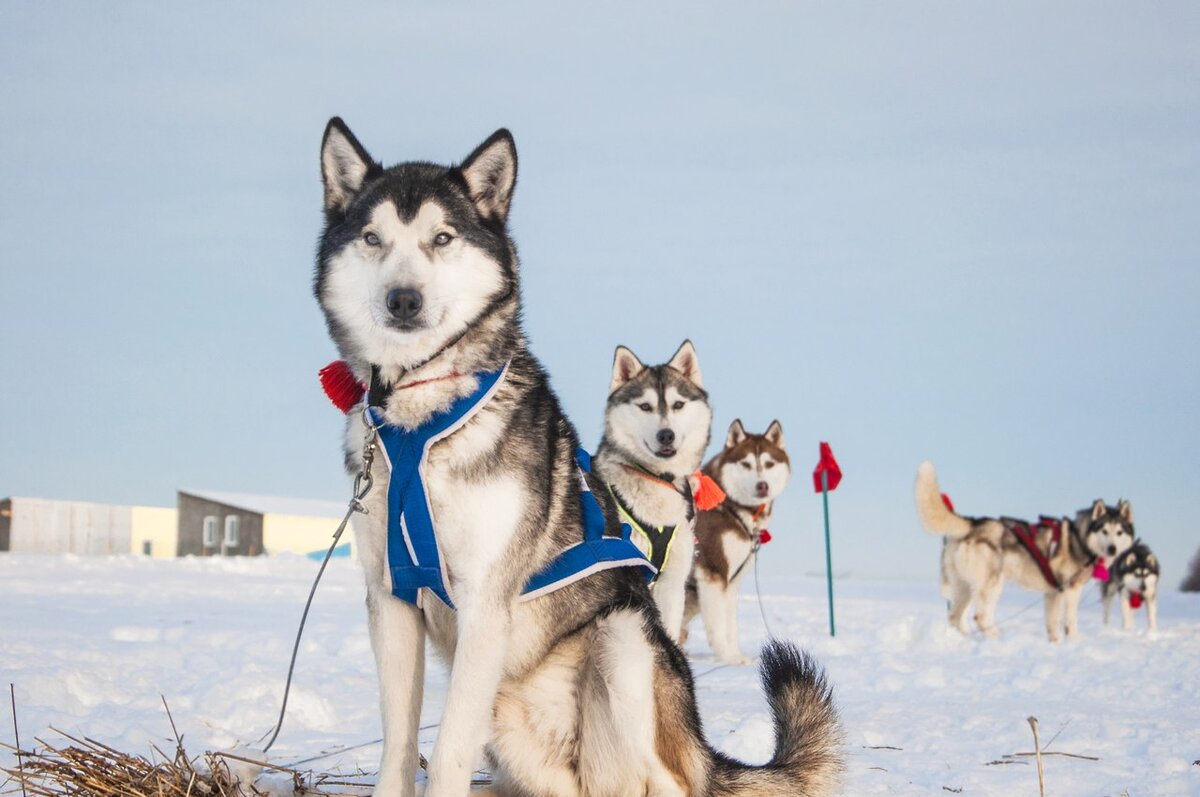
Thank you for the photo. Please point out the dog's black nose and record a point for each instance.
(761, 489)
(665, 437)
(1112, 550)
(404, 303)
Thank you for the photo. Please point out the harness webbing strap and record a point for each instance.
(413, 556)
(1026, 534)
(414, 559)
(658, 538)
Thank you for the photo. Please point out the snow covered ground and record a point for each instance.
(91, 644)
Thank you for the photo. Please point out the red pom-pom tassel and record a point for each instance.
(339, 383)
(764, 537)
(709, 494)
(1135, 600)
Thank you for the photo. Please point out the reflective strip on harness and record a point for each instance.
(659, 539)
(414, 559)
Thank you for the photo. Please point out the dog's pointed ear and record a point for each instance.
(626, 366)
(344, 165)
(737, 433)
(1125, 510)
(774, 434)
(491, 173)
(685, 361)
(1099, 509)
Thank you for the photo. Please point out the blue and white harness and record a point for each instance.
(414, 559)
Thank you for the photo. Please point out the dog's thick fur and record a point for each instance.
(752, 469)
(1133, 572)
(578, 692)
(658, 418)
(980, 553)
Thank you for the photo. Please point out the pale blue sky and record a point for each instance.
(963, 231)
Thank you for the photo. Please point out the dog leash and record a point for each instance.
(755, 515)
(363, 482)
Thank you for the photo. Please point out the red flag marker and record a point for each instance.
(827, 465)
(826, 476)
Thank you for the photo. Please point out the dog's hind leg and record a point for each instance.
(985, 606)
(960, 601)
(619, 708)
(397, 634)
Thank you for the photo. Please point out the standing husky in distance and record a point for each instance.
(979, 553)
(752, 469)
(1134, 578)
(573, 691)
(656, 427)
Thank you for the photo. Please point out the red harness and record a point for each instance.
(1026, 533)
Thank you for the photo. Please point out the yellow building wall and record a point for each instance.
(303, 535)
(157, 525)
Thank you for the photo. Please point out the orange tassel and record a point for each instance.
(709, 495)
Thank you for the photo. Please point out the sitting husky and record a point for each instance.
(752, 469)
(558, 661)
(1134, 577)
(656, 427)
(1052, 556)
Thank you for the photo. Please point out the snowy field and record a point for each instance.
(91, 644)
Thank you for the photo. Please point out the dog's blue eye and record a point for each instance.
(442, 238)
(371, 239)
(644, 407)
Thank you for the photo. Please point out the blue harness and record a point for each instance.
(414, 559)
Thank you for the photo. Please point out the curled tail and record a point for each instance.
(808, 736)
(935, 516)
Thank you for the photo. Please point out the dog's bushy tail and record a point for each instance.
(808, 735)
(935, 516)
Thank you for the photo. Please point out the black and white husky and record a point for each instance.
(1054, 556)
(656, 427)
(576, 691)
(1134, 580)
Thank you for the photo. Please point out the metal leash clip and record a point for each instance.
(363, 480)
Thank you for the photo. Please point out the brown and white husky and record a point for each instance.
(752, 469)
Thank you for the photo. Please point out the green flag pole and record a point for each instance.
(828, 554)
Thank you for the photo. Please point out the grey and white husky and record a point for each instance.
(752, 469)
(980, 553)
(656, 426)
(1134, 580)
(578, 691)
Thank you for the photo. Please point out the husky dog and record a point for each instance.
(1134, 577)
(752, 469)
(574, 691)
(1108, 530)
(656, 427)
(980, 553)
